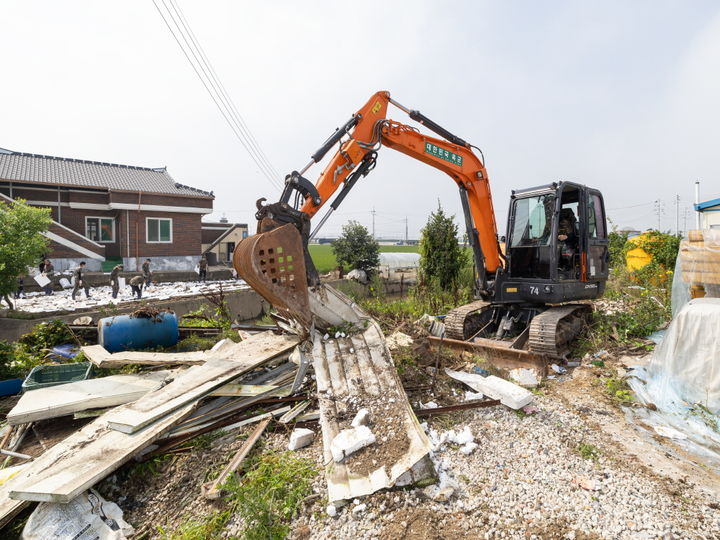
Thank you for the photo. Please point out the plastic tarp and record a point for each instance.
(683, 378)
(399, 260)
(86, 517)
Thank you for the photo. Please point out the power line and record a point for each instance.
(223, 92)
(234, 126)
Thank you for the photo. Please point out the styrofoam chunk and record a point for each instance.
(362, 418)
(509, 394)
(349, 441)
(300, 437)
(524, 377)
(468, 448)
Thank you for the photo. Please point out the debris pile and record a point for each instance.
(38, 302)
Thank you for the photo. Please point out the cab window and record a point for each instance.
(532, 221)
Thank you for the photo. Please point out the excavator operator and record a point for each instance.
(568, 240)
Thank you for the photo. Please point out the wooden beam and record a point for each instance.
(99, 356)
(199, 381)
(66, 399)
(211, 490)
(83, 459)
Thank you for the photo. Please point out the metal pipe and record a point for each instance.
(401, 107)
(306, 167)
(322, 222)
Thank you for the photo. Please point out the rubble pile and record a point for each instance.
(101, 297)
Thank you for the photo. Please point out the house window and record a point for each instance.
(100, 229)
(159, 230)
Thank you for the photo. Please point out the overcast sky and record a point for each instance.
(622, 96)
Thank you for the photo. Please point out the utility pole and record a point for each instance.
(658, 211)
(406, 231)
(697, 201)
(373, 223)
(677, 214)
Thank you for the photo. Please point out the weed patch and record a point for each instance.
(619, 390)
(588, 451)
(269, 495)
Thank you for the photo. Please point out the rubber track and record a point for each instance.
(543, 330)
(455, 319)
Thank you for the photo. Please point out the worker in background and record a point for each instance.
(48, 269)
(146, 274)
(20, 291)
(136, 284)
(114, 279)
(79, 278)
(202, 269)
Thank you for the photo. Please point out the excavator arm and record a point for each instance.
(276, 261)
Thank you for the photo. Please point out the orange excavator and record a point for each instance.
(556, 243)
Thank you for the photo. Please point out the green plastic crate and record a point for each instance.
(54, 374)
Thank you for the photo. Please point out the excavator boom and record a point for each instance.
(276, 262)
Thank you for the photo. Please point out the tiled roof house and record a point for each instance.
(107, 212)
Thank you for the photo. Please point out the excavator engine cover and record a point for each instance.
(273, 264)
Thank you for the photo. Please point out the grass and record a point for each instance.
(619, 390)
(324, 258)
(266, 498)
(270, 493)
(588, 451)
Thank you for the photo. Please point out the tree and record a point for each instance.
(441, 258)
(356, 248)
(22, 243)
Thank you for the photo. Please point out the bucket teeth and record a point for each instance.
(273, 263)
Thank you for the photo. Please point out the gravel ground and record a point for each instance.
(524, 481)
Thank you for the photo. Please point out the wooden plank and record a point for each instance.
(99, 356)
(242, 390)
(70, 398)
(83, 459)
(198, 381)
(211, 490)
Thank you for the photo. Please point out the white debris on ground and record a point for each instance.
(397, 340)
(300, 437)
(38, 302)
(349, 441)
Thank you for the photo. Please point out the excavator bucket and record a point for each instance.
(273, 263)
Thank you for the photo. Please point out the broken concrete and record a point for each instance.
(300, 437)
(508, 393)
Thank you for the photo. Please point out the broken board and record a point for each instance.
(83, 459)
(358, 372)
(70, 398)
(99, 356)
(198, 381)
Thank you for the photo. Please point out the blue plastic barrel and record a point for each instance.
(126, 332)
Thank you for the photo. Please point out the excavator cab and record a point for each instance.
(556, 245)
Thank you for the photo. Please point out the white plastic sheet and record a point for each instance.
(683, 379)
(86, 517)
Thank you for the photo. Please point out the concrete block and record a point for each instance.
(300, 437)
(349, 441)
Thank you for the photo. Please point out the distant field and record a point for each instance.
(324, 258)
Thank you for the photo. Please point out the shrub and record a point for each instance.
(356, 248)
(441, 257)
